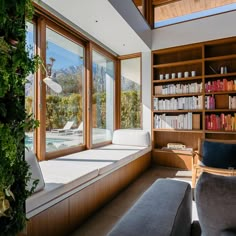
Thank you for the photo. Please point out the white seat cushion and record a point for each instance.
(61, 176)
(119, 155)
(36, 173)
(131, 137)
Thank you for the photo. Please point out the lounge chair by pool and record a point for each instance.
(67, 127)
(78, 130)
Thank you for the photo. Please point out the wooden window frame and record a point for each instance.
(118, 88)
(41, 99)
(44, 19)
(98, 49)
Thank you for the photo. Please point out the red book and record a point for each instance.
(207, 121)
(231, 83)
(217, 122)
(225, 84)
(228, 122)
(213, 122)
(214, 86)
(222, 121)
(218, 85)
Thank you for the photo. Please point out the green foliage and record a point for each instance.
(15, 66)
(60, 109)
(99, 100)
(130, 109)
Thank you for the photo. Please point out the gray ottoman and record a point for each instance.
(164, 209)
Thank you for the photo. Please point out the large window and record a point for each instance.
(64, 110)
(29, 86)
(102, 98)
(72, 93)
(130, 93)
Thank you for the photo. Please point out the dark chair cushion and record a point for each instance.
(219, 155)
(215, 198)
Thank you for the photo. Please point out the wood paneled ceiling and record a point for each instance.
(167, 9)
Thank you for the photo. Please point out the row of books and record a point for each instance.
(182, 103)
(182, 121)
(226, 122)
(210, 102)
(220, 85)
(178, 88)
(210, 86)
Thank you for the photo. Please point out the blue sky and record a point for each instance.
(64, 58)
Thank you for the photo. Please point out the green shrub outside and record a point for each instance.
(61, 109)
(130, 109)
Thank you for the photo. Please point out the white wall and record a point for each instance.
(205, 29)
(134, 18)
(146, 90)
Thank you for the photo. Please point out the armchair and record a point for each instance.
(215, 157)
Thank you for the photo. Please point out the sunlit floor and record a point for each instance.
(101, 222)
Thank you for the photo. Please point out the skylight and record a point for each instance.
(196, 15)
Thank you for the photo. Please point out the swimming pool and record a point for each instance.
(29, 141)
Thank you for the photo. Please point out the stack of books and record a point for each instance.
(177, 146)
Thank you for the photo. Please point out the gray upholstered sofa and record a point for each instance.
(165, 209)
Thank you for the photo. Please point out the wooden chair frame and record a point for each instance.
(198, 168)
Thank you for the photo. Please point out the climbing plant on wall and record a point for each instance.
(15, 65)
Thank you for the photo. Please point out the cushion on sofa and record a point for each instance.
(35, 170)
(131, 137)
(216, 204)
(218, 155)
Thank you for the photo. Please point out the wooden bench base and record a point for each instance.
(65, 216)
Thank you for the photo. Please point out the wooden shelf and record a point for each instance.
(221, 92)
(173, 151)
(188, 79)
(220, 110)
(220, 132)
(178, 130)
(178, 95)
(219, 58)
(221, 75)
(179, 63)
(176, 111)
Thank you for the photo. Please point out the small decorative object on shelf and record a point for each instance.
(176, 145)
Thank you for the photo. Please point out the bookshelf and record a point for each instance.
(193, 96)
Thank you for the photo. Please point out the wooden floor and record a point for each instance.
(101, 222)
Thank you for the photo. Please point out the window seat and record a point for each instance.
(72, 173)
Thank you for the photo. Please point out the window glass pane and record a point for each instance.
(102, 98)
(130, 93)
(29, 86)
(64, 110)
